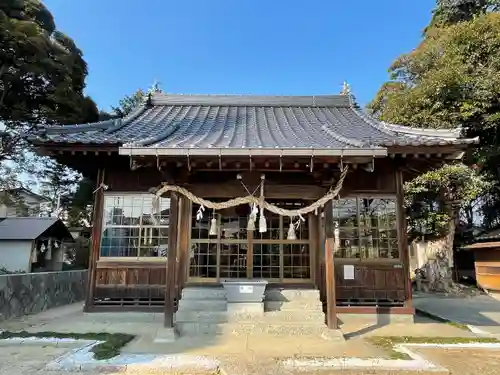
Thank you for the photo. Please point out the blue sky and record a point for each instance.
(240, 46)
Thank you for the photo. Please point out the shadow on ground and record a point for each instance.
(480, 311)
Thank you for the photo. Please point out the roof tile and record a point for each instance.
(230, 121)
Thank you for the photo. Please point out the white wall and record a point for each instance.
(15, 255)
(32, 203)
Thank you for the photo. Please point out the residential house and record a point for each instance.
(22, 203)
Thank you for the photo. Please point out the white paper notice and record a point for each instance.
(348, 272)
(246, 289)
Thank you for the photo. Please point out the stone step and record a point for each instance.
(287, 295)
(202, 305)
(203, 293)
(275, 329)
(302, 316)
(310, 305)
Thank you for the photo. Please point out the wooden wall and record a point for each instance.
(130, 284)
(487, 264)
(373, 285)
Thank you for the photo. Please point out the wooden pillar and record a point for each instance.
(249, 263)
(331, 308)
(314, 248)
(184, 240)
(170, 287)
(403, 237)
(96, 240)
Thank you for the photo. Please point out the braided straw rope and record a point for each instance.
(332, 193)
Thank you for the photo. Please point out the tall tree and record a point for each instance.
(452, 79)
(42, 77)
(58, 183)
(449, 12)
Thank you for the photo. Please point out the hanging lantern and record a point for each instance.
(291, 231)
(213, 226)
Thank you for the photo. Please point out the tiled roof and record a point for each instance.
(187, 123)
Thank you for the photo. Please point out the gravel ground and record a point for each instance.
(31, 359)
(458, 361)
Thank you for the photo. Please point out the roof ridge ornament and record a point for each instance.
(155, 87)
(346, 89)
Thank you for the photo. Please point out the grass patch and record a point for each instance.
(387, 343)
(458, 325)
(108, 348)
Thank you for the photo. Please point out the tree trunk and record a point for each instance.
(436, 275)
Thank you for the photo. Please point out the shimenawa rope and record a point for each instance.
(251, 200)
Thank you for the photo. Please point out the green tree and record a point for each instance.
(58, 183)
(435, 198)
(129, 103)
(449, 12)
(42, 78)
(452, 79)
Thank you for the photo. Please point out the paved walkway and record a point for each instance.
(481, 311)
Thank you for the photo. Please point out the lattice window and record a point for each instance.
(266, 261)
(226, 254)
(367, 228)
(132, 229)
(296, 261)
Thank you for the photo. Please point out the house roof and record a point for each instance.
(486, 240)
(231, 124)
(27, 228)
(30, 193)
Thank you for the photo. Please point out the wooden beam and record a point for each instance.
(331, 308)
(96, 240)
(403, 237)
(171, 261)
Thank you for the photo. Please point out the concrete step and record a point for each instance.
(209, 317)
(202, 305)
(273, 317)
(275, 329)
(311, 305)
(287, 295)
(304, 316)
(203, 293)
